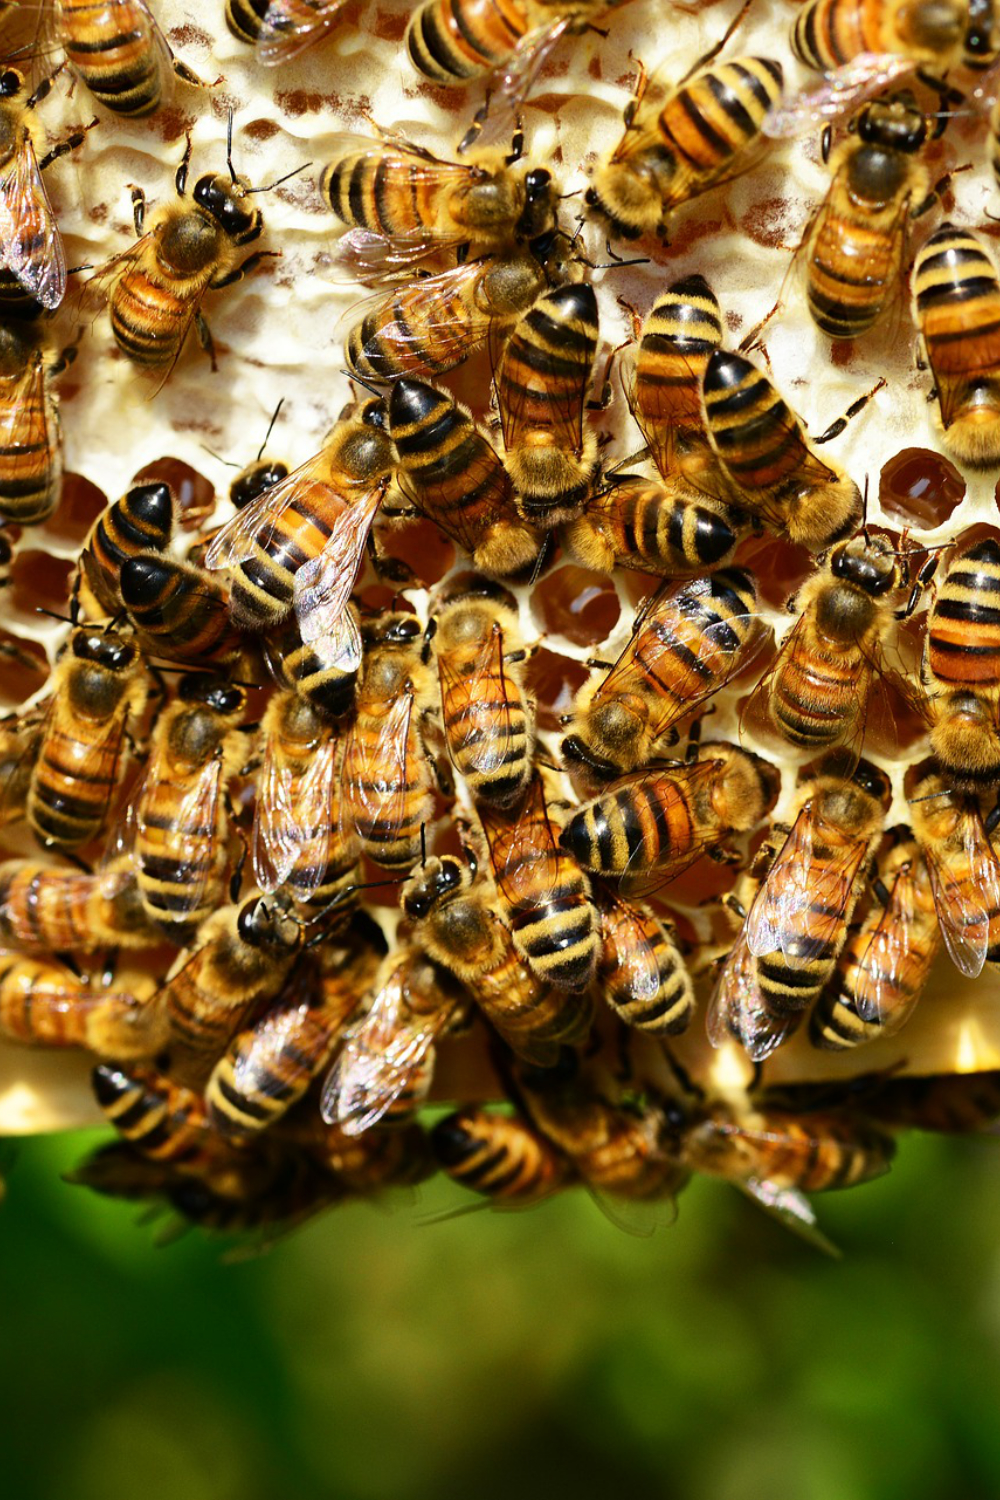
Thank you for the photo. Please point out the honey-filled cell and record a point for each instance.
(920, 487)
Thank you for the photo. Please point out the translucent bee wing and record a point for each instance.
(30, 243)
(737, 1012)
(323, 585)
(195, 822)
(22, 398)
(965, 901)
(290, 812)
(639, 1217)
(370, 258)
(253, 527)
(791, 1208)
(138, 17)
(290, 26)
(529, 56)
(516, 401)
(882, 955)
(422, 313)
(375, 779)
(527, 862)
(636, 967)
(486, 735)
(378, 1059)
(802, 902)
(839, 95)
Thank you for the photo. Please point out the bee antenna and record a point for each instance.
(423, 845)
(270, 186)
(864, 514)
(365, 385)
(229, 146)
(270, 429)
(930, 797)
(218, 456)
(53, 614)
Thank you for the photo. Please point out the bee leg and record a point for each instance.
(475, 130)
(110, 965)
(138, 209)
(638, 90)
(63, 147)
(837, 427)
(992, 818)
(70, 963)
(188, 75)
(205, 339)
(44, 88)
(181, 175)
(238, 273)
(717, 47)
(934, 194)
(68, 355)
(921, 581)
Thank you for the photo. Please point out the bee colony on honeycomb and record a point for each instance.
(758, 951)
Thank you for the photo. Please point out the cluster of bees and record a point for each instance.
(236, 747)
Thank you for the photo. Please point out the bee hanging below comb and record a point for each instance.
(155, 289)
(401, 203)
(500, 1156)
(682, 142)
(32, 261)
(962, 865)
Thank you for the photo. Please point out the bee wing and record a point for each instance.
(636, 963)
(378, 1058)
(529, 55)
(30, 243)
(421, 311)
(737, 1011)
(791, 1208)
(281, 826)
(640, 1217)
(373, 258)
(796, 884)
(964, 904)
(525, 858)
(839, 95)
(485, 725)
(197, 811)
(290, 26)
(21, 400)
(375, 778)
(564, 408)
(323, 585)
(94, 293)
(882, 955)
(161, 49)
(254, 526)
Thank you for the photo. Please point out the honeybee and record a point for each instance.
(297, 843)
(31, 249)
(686, 644)
(140, 522)
(45, 909)
(119, 52)
(878, 184)
(450, 472)
(817, 692)
(279, 30)
(659, 823)
(402, 203)
(277, 1192)
(544, 895)
(641, 973)
(862, 48)
(269, 1067)
(177, 827)
(624, 1151)
(243, 957)
(324, 672)
(703, 133)
(963, 868)
(300, 544)
(961, 668)
(777, 1157)
(45, 1004)
(386, 779)
(30, 432)
(541, 382)
(455, 923)
(99, 684)
(18, 750)
(365, 1164)
(797, 923)
(178, 611)
(498, 1155)
(884, 966)
(392, 1045)
(952, 1103)
(762, 449)
(488, 725)
(430, 324)
(956, 307)
(451, 41)
(637, 523)
(167, 1123)
(155, 289)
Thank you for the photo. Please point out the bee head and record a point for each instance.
(439, 879)
(895, 123)
(226, 203)
(106, 650)
(264, 924)
(214, 692)
(255, 479)
(868, 566)
(539, 196)
(11, 83)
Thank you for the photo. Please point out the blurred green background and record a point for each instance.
(508, 1356)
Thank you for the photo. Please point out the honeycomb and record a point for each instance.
(279, 336)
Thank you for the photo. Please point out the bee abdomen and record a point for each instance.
(244, 18)
(451, 40)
